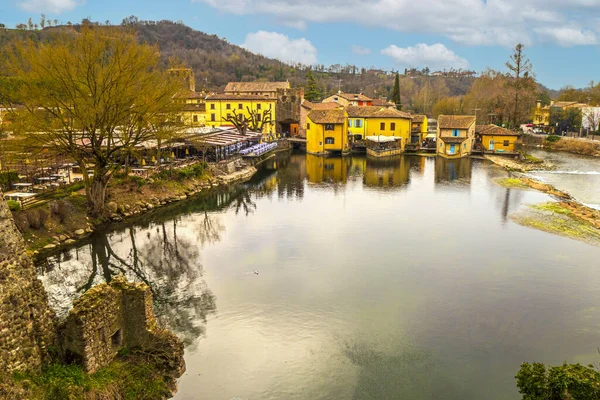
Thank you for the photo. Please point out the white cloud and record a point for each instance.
(49, 6)
(435, 56)
(472, 22)
(281, 47)
(363, 51)
(568, 36)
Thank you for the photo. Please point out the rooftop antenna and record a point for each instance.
(339, 86)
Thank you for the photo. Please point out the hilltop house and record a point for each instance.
(349, 99)
(455, 135)
(327, 131)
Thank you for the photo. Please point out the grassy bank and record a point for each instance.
(62, 218)
(130, 377)
(584, 147)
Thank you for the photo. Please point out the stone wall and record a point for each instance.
(112, 316)
(26, 320)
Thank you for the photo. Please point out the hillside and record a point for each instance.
(216, 62)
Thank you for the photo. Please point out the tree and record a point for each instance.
(565, 120)
(312, 93)
(90, 95)
(448, 106)
(43, 21)
(568, 381)
(396, 92)
(520, 81)
(255, 121)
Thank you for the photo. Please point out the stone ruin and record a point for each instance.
(26, 320)
(113, 316)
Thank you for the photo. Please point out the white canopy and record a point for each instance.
(381, 138)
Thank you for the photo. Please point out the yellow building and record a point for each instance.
(419, 126)
(375, 121)
(455, 135)
(307, 107)
(541, 115)
(496, 139)
(219, 107)
(327, 131)
(193, 108)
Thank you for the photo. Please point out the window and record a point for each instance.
(335, 99)
(213, 117)
(195, 118)
(240, 106)
(505, 143)
(464, 145)
(441, 145)
(228, 106)
(308, 125)
(393, 126)
(259, 106)
(382, 126)
(329, 140)
(212, 106)
(115, 339)
(358, 123)
(228, 115)
(349, 123)
(455, 132)
(329, 127)
(258, 117)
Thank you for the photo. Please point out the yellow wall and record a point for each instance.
(499, 142)
(387, 173)
(353, 130)
(402, 128)
(187, 117)
(460, 149)
(220, 111)
(316, 135)
(423, 127)
(541, 116)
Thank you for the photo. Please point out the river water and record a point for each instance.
(343, 278)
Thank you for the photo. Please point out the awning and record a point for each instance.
(382, 139)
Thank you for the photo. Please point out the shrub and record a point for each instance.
(181, 174)
(37, 218)
(7, 178)
(553, 139)
(568, 381)
(13, 205)
(61, 209)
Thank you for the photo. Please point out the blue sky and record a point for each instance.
(561, 36)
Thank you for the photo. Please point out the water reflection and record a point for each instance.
(453, 171)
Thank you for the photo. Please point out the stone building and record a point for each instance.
(26, 320)
(113, 316)
(288, 109)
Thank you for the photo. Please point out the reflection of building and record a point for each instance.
(455, 135)
(349, 99)
(496, 139)
(327, 169)
(391, 172)
(327, 131)
(452, 170)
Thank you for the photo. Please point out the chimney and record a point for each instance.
(551, 102)
(539, 104)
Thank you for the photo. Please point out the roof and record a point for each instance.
(194, 107)
(354, 96)
(375, 112)
(256, 86)
(188, 94)
(418, 117)
(455, 121)
(328, 116)
(319, 106)
(227, 137)
(495, 130)
(237, 97)
(383, 102)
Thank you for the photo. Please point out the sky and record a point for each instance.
(561, 37)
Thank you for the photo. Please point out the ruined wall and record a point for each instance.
(26, 320)
(112, 316)
(288, 106)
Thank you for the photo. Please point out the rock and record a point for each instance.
(62, 238)
(55, 238)
(120, 209)
(50, 246)
(149, 206)
(80, 232)
(89, 230)
(182, 197)
(112, 207)
(116, 217)
(127, 214)
(69, 241)
(127, 207)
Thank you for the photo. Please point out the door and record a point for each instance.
(452, 149)
(491, 145)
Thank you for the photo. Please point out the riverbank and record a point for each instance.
(578, 146)
(64, 220)
(527, 163)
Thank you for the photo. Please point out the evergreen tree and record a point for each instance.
(521, 81)
(311, 93)
(396, 93)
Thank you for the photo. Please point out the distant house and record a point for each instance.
(308, 106)
(194, 107)
(266, 89)
(496, 139)
(327, 131)
(541, 115)
(383, 102)
(455, 135)
(350, 99)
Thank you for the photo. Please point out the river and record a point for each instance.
(343, 278)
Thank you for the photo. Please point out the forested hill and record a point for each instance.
(215, 62)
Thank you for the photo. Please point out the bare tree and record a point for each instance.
(255, 121)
